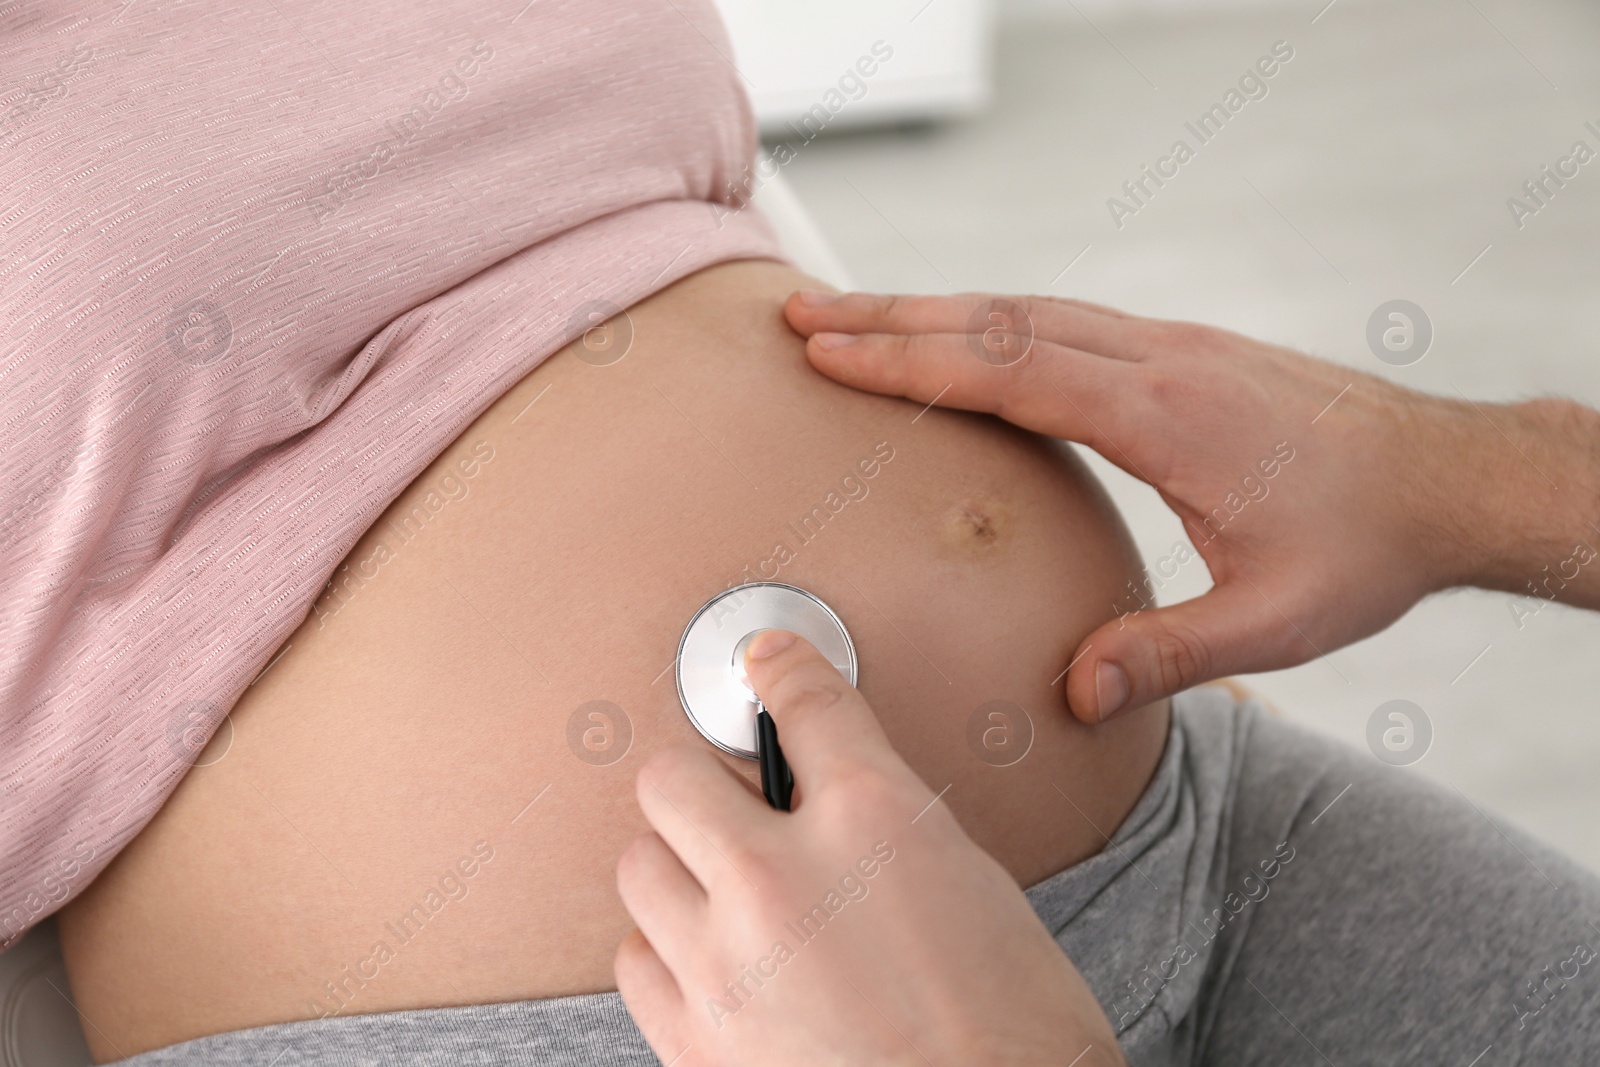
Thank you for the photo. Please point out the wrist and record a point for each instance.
(1524, 497)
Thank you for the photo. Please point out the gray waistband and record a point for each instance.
(1117, 914)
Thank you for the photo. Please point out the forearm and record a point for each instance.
(1526, 500)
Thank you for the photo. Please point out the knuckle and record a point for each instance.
(1187, 336)
(1020, 396)
(1277, 638)
(1182, 657)
(630, 959)
(807, 690)
(805, 700)
(1172, 392)
(762, 873)
(1032, 308)
(1022, 390)
(904, 348)
(632, 863)
(889, 306)
(1038, 374)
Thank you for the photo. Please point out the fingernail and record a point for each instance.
(815, 297)
(833, 340)
(768, 643)
(1110, 689)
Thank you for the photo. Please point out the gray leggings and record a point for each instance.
(1274, 898)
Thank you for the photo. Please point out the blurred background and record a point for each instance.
(1378, 163)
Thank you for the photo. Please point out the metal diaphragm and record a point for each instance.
(711, 684)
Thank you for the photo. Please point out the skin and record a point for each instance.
(931, 955)
(1390, 494)
(421, 719)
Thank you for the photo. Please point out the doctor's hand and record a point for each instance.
(1325, 502)
(863, 927)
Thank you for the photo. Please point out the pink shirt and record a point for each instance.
(259, 265)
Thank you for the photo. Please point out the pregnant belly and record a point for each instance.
(421, 801)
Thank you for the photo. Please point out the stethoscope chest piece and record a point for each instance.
(711, 682)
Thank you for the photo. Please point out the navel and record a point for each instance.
(976, 524)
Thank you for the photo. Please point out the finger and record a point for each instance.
(666, 902)
(1087, 306)
(1070, 323)
(1139, 658)
(651, 995)
(701, 809)
(824, 723)
(1052, 390)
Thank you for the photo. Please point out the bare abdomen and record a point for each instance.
(425, 796)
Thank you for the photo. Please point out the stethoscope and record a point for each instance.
(712, 684)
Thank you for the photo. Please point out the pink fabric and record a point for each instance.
(259, 264)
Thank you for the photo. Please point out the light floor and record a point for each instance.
(1378, 166)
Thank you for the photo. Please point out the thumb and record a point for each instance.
(1143, 656)
(824, 723)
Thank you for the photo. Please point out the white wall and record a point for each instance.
(797, 56)
(1019, 10)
